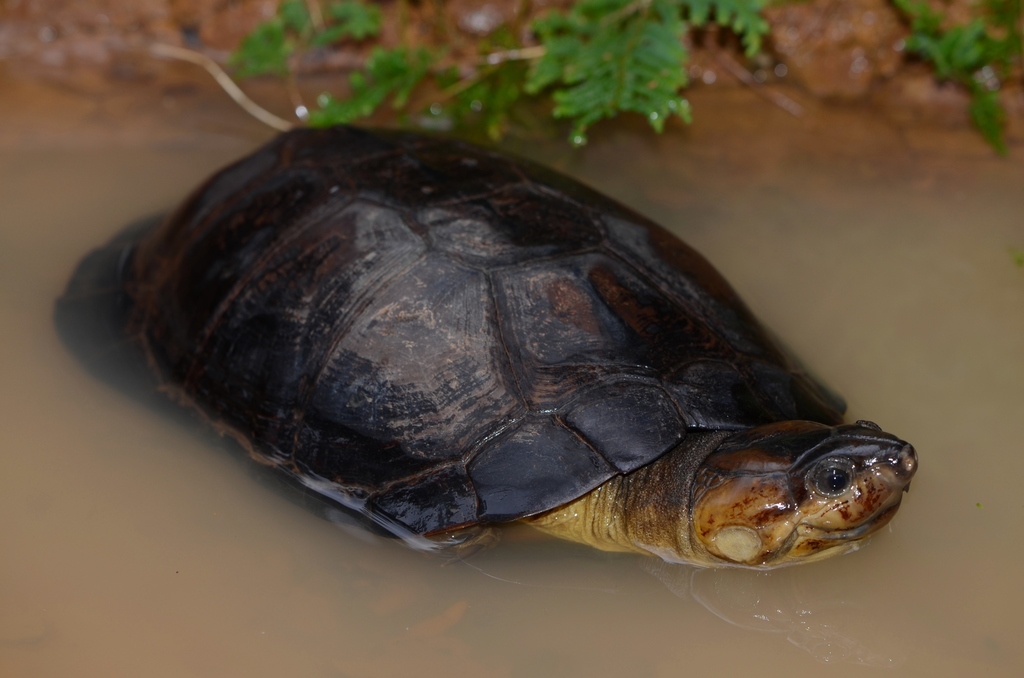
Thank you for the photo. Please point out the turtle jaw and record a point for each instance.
(787, 543)
(861, 532)
(808, 543)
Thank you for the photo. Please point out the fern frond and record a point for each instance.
(742, 16)
(599, 67)
(350, 19)
(388, 73)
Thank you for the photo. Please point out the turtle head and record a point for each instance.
(797, 491)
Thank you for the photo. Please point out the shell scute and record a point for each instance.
(326, 449)
(689, 279)
(421, 365)
(714, 394)
(461, 172)
(629, 423)
(335, 149)
(188, 279)
(220, 191)
(535, 467)
(542, 223)
(446, 497)
(418, 174)
(567, 316)
(470, 233)
(515, 225)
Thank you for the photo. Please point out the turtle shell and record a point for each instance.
(442, 334)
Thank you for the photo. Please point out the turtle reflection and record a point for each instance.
(791, 603)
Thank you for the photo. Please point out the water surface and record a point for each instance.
(135, 546)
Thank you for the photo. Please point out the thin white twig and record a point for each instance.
(522, 54)
(225, 81)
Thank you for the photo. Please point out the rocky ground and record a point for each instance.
(821, 51)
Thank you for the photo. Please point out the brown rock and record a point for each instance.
(223, 24)
(914, 95)
(837, 48)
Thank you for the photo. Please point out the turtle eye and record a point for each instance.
(832, 477)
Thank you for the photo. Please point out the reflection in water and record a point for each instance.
(20, 626)
(130, 547)
(525, 581)
(823, 621)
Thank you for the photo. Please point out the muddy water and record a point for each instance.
(131, 545)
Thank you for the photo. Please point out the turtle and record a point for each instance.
(444, 338)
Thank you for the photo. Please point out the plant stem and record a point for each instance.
(225, 82)
(519, 54)
(316, 15)
(631, 8)
(298, 104)
(464, 84)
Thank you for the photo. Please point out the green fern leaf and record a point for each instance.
(488, 103)
(294, 14)
(599, 67)
(264, 51)
(388, 73)
(354, 19)
(742, 16)
(970, 55)
(989, 117)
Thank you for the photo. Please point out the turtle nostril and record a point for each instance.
(908, 459)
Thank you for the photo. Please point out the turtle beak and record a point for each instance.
(907, 464)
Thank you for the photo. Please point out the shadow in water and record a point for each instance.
(792, 603)
(91, 318)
